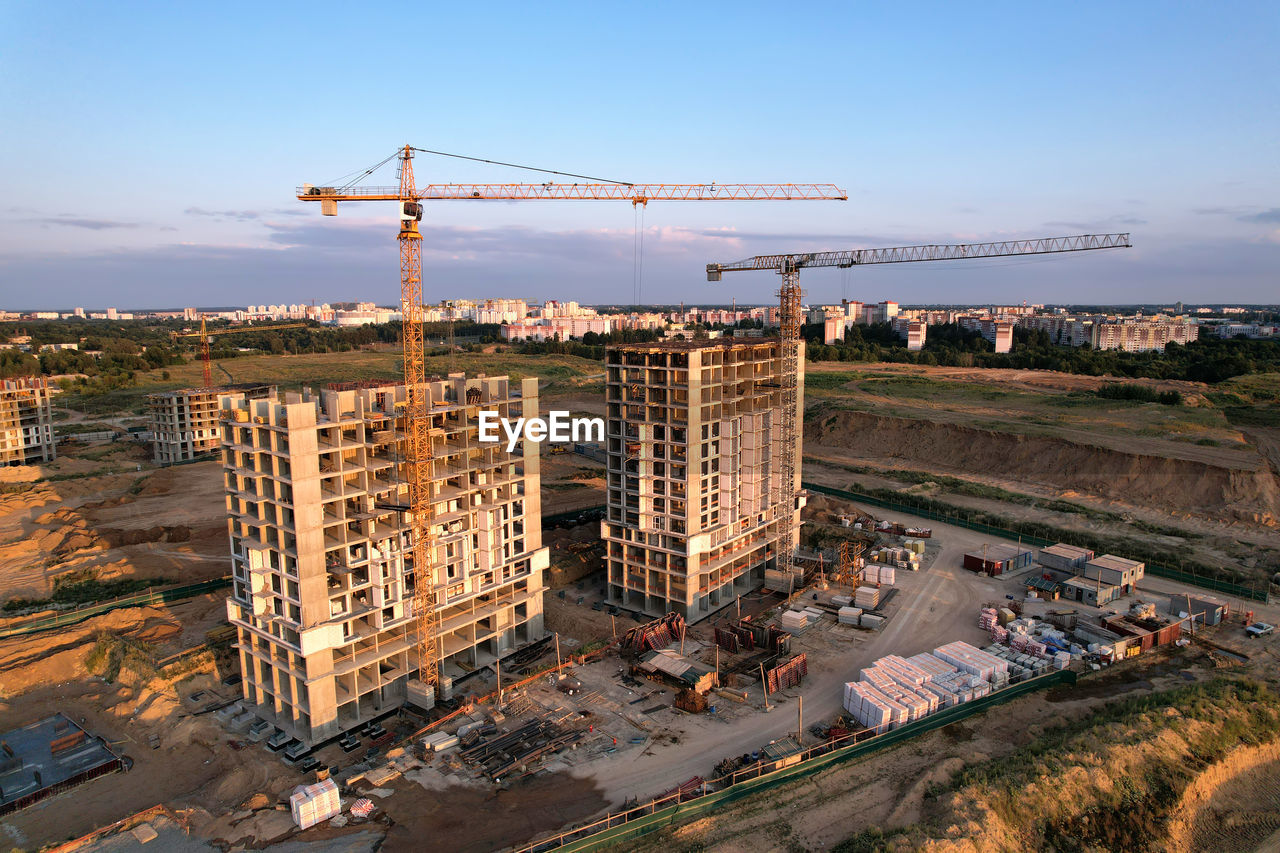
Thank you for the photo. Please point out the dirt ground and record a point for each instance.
(524, 811)
(194, 766)
(155, 523)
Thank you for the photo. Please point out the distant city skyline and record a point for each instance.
(956, 125)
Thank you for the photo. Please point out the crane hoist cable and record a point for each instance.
(518, 166)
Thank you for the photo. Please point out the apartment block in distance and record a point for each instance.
(26, 422)
(322, 562)
(693, 439)
(185, 424)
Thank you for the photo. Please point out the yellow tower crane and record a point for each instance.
(410, 197)
(789, 265)
(204, 334)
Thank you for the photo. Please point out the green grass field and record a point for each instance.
(559, 373)
(1020, 409)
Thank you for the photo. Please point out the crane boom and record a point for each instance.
(789, 266)
(417, 424)
(927, 252)
(635, 193)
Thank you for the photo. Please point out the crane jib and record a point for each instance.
(926, 252)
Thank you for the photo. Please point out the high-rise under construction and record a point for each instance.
(322, 561)
(695, 507)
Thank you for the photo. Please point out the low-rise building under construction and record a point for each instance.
(26, 422)
(695, 505)
(323, 573)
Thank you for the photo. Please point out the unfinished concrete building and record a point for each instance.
(323, 573)
(26, 422)
(185, 424)
(693, 441)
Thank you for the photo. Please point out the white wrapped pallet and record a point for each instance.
(974, 661)
(933, 665)
(312, 804)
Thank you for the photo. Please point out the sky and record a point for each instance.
(152, 150)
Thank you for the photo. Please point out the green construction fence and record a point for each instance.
(168, 595)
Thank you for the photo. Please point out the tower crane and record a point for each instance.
(410, 197)
(204, 334)
(789, 265)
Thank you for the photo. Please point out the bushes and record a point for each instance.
(1140, 393)
(76, 590)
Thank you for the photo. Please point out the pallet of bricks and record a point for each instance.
(896, 690)
(989, 621)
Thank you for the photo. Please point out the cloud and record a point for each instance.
(238, 215)
(244, 215)
(1099, 224)
(331, 260)
(91, 224)
(1266, 216)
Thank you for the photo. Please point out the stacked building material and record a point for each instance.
(788, 674)
(866, 597)
(988, 619)
(849, 615)
(974, 661)
(312, 804)
(1021, 666)
(934, 666)
(872, 708)
(871, 620)
(794, 622)
(655, 635)
(727, 640)
(842, 600)
(440, 741)
(1026, 645)
(776, 581)
(876, 573)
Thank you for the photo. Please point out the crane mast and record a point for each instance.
(204, 334)
(789, 295)
(417, 413)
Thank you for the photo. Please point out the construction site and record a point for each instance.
(375, 625)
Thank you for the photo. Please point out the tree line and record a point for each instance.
(1209, 359)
